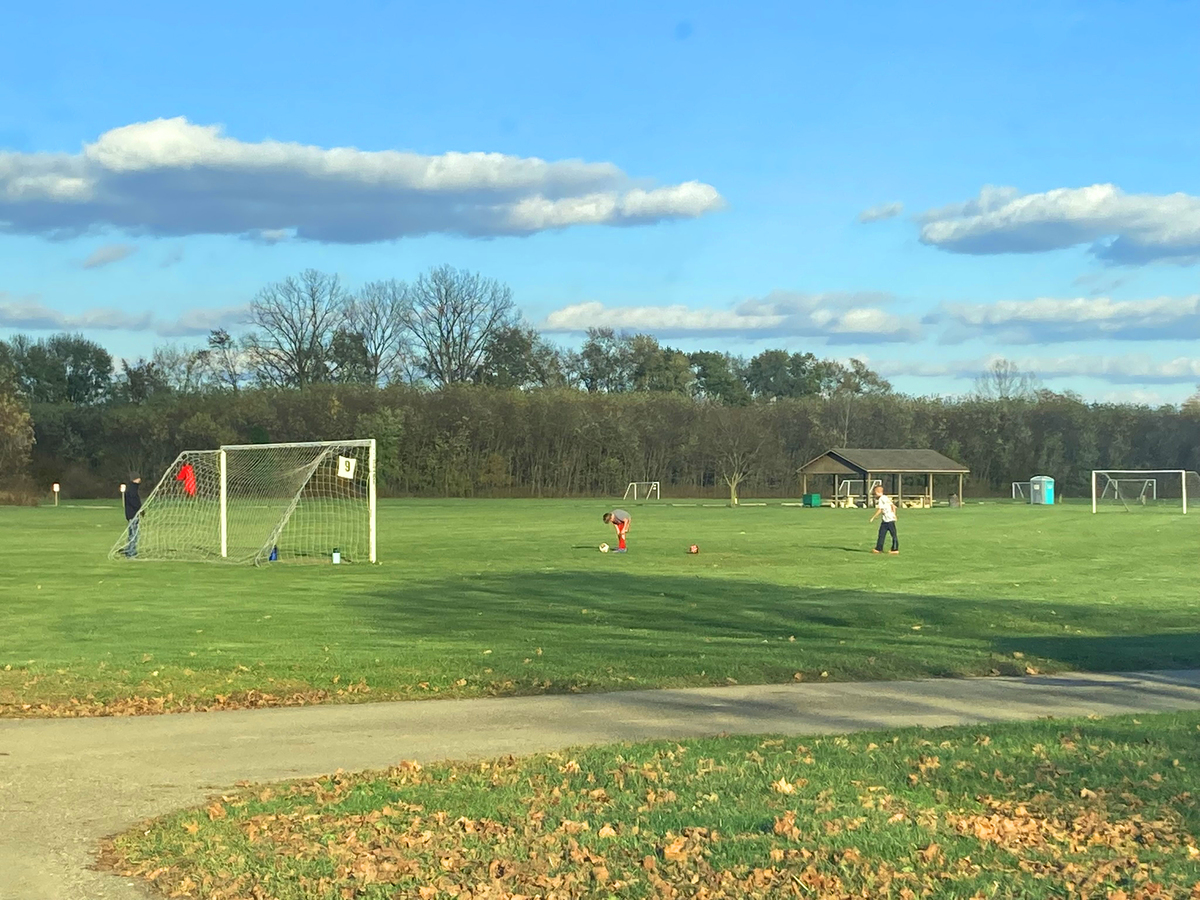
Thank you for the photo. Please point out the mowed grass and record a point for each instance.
(509, 597)
(1104, 808)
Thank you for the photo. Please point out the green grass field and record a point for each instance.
(506, 597)
(1090, 809)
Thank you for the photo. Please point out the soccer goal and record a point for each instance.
(849, 488)
(1134, 489)
(1023, 491)
(259, 503)
(642, 490)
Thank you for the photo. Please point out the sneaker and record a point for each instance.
(619, 550)
(893, 553)
(876, 551)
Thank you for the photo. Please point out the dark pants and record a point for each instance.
(884, 529)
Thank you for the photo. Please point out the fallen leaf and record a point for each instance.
(783, 786)
(676, 851)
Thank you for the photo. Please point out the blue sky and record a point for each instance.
(1029, 170)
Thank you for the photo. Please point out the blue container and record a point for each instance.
(1041, 490)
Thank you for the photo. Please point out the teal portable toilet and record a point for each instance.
(1041, 490)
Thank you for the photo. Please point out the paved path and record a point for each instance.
(65, 784)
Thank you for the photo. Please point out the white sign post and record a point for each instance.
(56, 487)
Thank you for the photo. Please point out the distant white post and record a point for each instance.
(56, 487)
(224, 504)
(371, 496)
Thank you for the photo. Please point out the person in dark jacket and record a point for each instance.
(133, 503)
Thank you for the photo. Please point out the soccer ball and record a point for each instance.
(694, 549)
(604, 548)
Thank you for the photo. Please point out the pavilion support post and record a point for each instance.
(899, 489)
(929, 490)
(804, 484)
(960, 493)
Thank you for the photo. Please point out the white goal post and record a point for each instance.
(1129, 489)
(642, 490)
(854, 487)
(309, 501)
(1022, 490)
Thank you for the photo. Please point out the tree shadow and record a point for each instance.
(672, 628)
(1162, 651)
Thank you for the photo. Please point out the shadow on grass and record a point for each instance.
(675, 627)
(1165, 651)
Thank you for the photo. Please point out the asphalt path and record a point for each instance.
(65, 784)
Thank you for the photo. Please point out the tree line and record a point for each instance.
(466, 399)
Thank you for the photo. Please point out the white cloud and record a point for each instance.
(1138, 396)
(1122, 228)
(881, 212)
(1133, 369)
(836, 317)
(172, 177)
(107, 254)
(1051, 320)
(31, 315)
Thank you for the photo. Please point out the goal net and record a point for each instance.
(1022, 490)
(1171, 490)
(258, 503)
(642, 490)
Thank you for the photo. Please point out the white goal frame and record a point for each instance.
(219, 457)
(1022, 490)
(643, 490)
(842, 489)
(1149, 477)
(372, 498)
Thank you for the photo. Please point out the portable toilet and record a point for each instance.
(1041, 490)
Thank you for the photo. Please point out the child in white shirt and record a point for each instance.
(886, 508)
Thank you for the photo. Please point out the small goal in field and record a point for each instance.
(642, 490)
(1128, 490)
(1023, 491)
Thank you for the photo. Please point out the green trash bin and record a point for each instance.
(811, 499)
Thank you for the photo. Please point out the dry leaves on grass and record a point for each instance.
(589, 832)
(79, 708)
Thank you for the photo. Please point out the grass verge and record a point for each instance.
(1102, 808)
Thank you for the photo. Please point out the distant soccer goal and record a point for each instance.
(848, 488)
(258, 503)
(1130, 490)
(642, 490)
(1023, 491)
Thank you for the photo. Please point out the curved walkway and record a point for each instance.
(65, 784)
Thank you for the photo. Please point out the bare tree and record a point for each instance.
(295, 321)
(452, 318)
(737, 438)
(180, 369)
(1005, 380)
(224, 360)
(378, 313)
